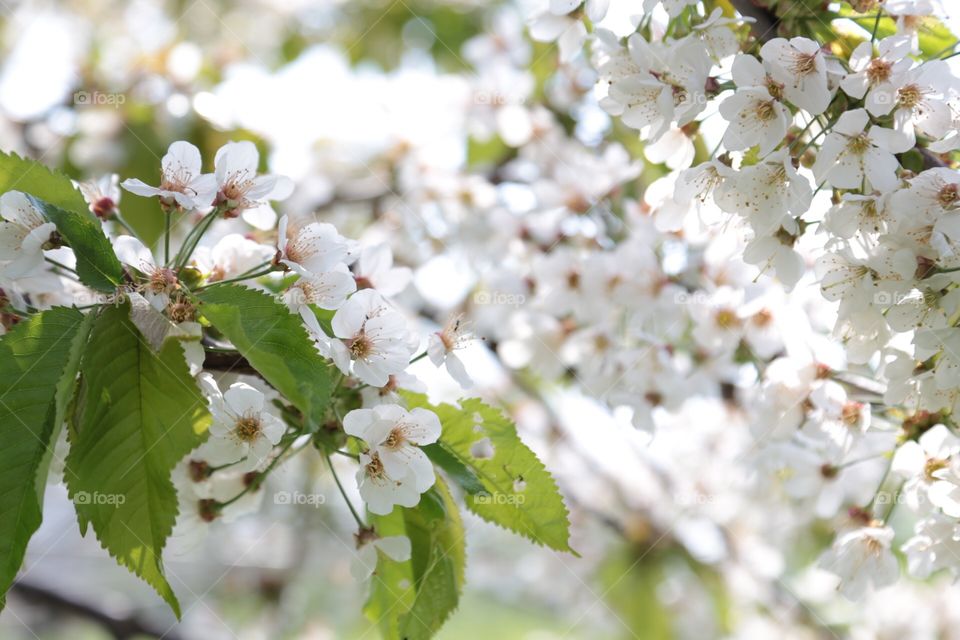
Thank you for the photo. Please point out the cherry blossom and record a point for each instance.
(855, 150)
(243, 431)
(24, 235)
(370, 338)
(241, 191)
(182, 184)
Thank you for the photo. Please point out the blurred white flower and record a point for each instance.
(862, 558)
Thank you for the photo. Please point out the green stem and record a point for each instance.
(123, 223)
(850, 463)
(343, 493)
(893, 503)
(240, 278)
(193, 239)
(419, 357)
(166, 239)
(803, 131)
(944, 50)
(257, 482)
(876, 493)
(876, 26)
(60, 265)
(950, 270)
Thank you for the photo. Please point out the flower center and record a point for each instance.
(878, 71)
(247, 428)
(162, 280)
(396, 438)
(762, 318)
(948, 195)
(874, 546)
(766, 111)
(178, 181)
(804, 64)
(909, 96)
(786, 238)
(181, 311)
(932, 466)
(374, 468)
(859, 144)
(774, 88)
(850, 414)
(360, 347)
(726, 319)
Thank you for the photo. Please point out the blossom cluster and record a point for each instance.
(310, 267)
(769, 298)
(802, 122)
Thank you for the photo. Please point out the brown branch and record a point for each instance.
(765, 19)
(120, 627)
(229, 362)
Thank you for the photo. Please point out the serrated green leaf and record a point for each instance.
(460, 473)
(521, 495)
(65, 395)
(30, 176)
(411, 600)
(97, 265)
(276, 344)
(35, 357)
(141, 413)
(64, 206)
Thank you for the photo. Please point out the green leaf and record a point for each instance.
(30, 176)
(276, 344)
(97, 265)
(521, 495)
(36, 363)
(63, 205)
(460, 473)
(411, 600)
(933, 36)
(141, 413)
